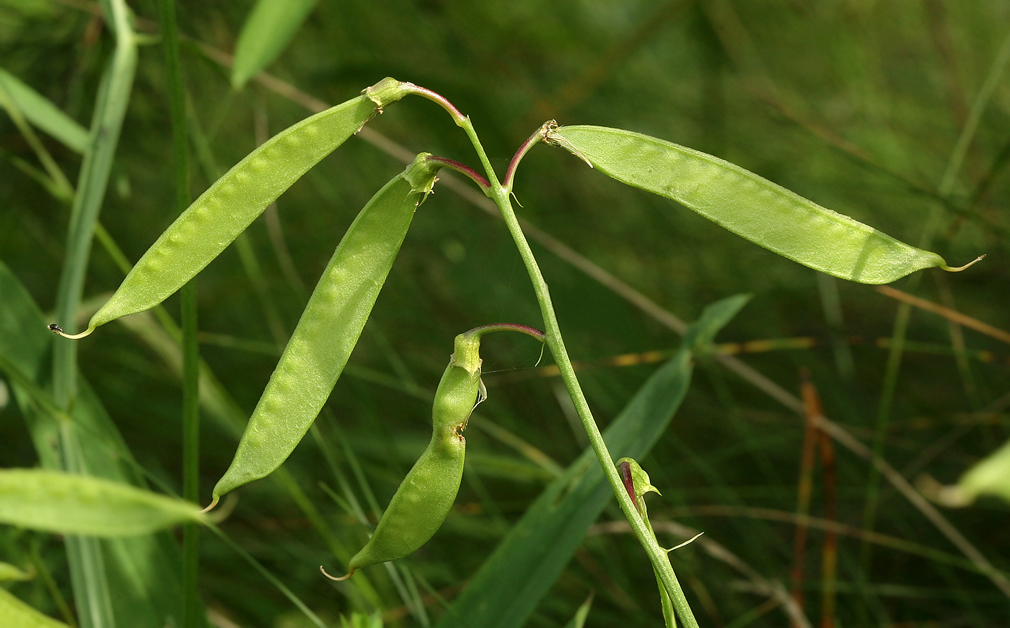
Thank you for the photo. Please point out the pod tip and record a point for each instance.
(56, 329)
(340, 579)
(960, 268)
(211, 506)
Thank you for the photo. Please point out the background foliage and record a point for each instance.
(856, 104)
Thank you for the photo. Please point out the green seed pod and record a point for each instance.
(230, 205)
(748, 205)
(424, 498)
(329, 327)
(54, 501)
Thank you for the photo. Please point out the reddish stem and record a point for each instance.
(523, 329)
(537, 136)
(463, 169)
(424, 92)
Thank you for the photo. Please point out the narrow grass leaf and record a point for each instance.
(528, 561)
(44, 115)
(267, 31)
(579, 620)
(16, 614)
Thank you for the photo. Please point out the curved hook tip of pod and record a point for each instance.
(56, 329)
(341, 578)
(966, 266)
(211, 506)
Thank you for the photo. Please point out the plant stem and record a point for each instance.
(192, 604)
(107, 121)
(522, 329)
(92, 595)
(465, 170)
(537, 136)
(193, 615)
(657, 556)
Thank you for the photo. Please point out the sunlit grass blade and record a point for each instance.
(267, 31)
(100, 588)
(44, 115)
(16, 614)
(579, 620)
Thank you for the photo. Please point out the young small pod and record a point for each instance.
(424, 498)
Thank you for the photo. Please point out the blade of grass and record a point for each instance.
(43, 114)
(110, 110)
(579, 620)
(58, 183)
(267, 31)
(54, 592)
(270, 577)
(14, 612)
(89, 575)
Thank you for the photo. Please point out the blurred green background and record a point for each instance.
(856, 104)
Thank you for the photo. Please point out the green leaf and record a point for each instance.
(525, 565)
(266, 32)
(748, 205)
(44, 115)
(16, 614)
(579, 620)
(699, 337)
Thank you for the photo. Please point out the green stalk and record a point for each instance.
(92, 594)
(501, 196)
(657, 556)
(193, 616)
(192, 607)
(110, 109)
